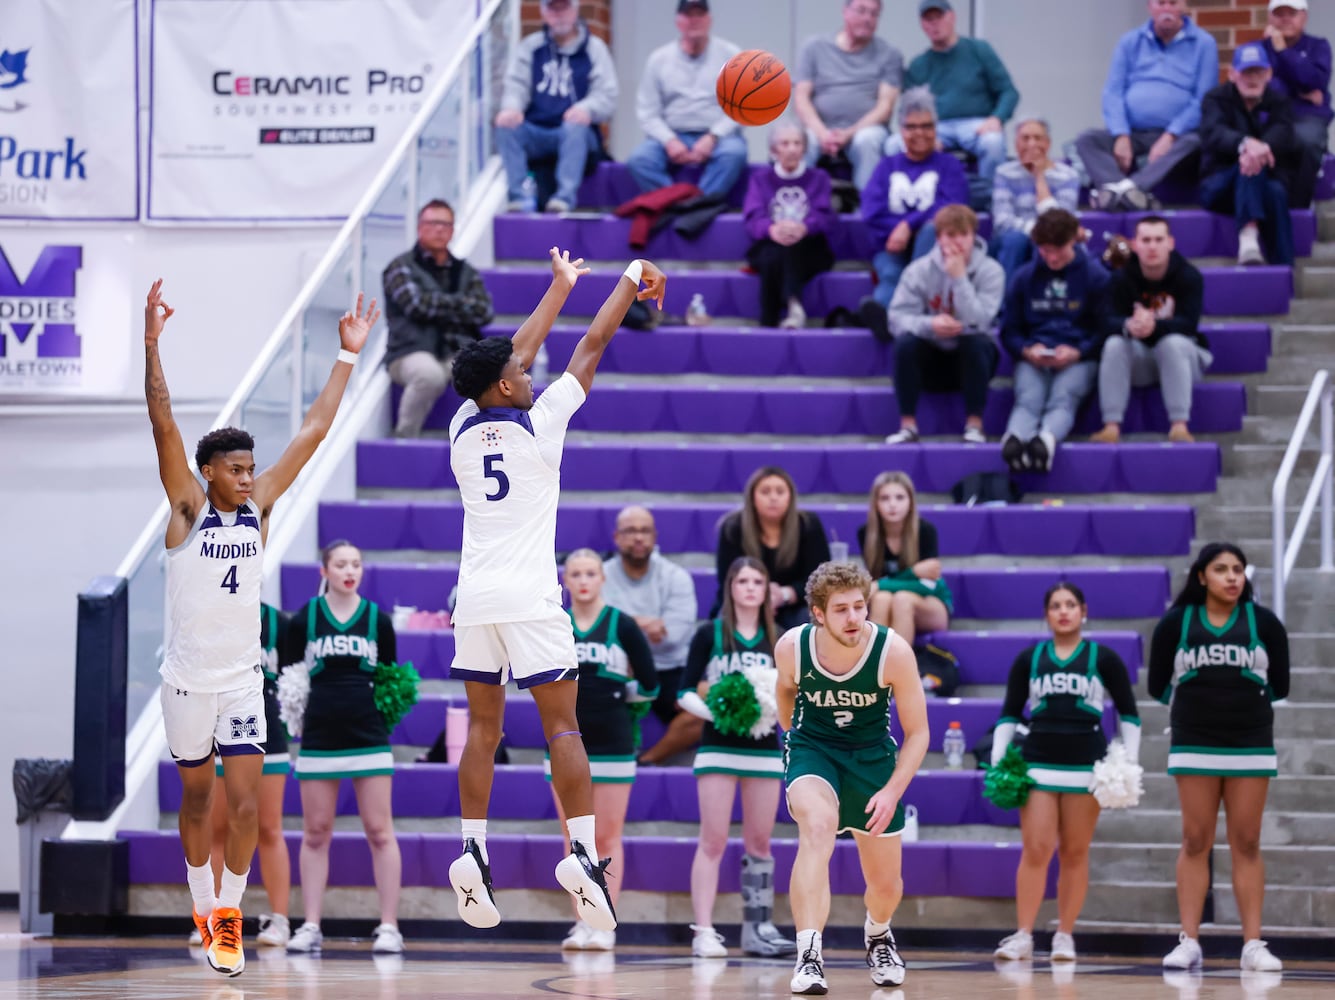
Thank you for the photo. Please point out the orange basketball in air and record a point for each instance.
(753, 87)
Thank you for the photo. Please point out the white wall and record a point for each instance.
(77, 488)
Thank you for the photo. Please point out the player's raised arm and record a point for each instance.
(183, 490)
(353, 330)
(589, 350)
(529, 337)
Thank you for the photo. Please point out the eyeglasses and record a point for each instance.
(436, 224)
(918, 127)
(635, 531)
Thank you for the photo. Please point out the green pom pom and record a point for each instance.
(734, 704)
(395, 690)
(1007, 782)
(638, 710)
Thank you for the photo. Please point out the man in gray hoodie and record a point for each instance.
(560, 85)
(941, 317)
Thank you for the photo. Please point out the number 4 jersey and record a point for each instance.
(213, 603)
(507, 463)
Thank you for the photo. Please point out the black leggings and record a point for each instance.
(785, 271)
(920, 364)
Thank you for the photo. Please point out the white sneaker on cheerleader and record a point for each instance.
(1187, 954)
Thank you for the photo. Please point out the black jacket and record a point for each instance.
(433, 308)
(1177, 299)
(1225, 122)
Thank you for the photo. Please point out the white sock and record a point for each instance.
(200, 881)
(1122, 186)
(476, 831)
(808, 940)
(233, 885)
(580, 829)
(873, 929)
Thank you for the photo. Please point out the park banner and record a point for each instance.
(69, 110)
(284, 111)
(66, 317)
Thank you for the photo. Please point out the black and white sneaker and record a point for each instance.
(809, 975)
(887, 968)
(587, 882)
(471, 878)
(1013, 453)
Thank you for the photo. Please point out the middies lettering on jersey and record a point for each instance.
(236, 550)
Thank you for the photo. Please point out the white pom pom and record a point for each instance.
(1117, 779)
(294, 690)
(764, 681)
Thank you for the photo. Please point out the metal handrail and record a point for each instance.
(1286, 546)
(405, 148)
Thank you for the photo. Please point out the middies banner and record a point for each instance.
(285, 110)
(69, 115)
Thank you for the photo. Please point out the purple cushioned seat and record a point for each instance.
(829, 291)
(427, 651)
(420, 585)
(437, 526)
(804, 462)
(634, 409)
(665, 351)
(804, 409)
(962, 531)
(945, 464)
(368, 524)
(1168, 468)
(1248, 291)
(301, 581)
(1112, 591)
(1041, 531)
(852, 466)
(750, 352)
(679, 466)
(678, 529)
(579, 524)
(1127, 531)
(988, 870)
(590, 465)
(404, 464)
(609, 185)
(839, 353)
(1238, 348)
(1094, 466)
(702, 409)
(1325, 184)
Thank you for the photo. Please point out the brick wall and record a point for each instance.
(597, 13)
(1232, 22)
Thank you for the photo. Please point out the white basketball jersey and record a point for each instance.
(213, 603)
(507, 463)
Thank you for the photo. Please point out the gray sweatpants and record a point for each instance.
(1175, 362)
(424, 378)
(1095, 149)
(1047, 400)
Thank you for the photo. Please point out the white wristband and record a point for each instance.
(346, 356)
(635, 271)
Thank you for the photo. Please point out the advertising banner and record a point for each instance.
(284, 110)
(69, 110)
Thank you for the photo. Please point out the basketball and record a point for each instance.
(753, 87)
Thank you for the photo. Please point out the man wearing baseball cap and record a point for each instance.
(1249, 154)
(1302, 65)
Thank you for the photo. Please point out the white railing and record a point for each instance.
(444, 152)
(1287, 545)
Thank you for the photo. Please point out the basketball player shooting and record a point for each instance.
(212, 683)
(505, 451)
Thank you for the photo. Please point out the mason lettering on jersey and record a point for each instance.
(1221, 654)
(341, 645)
(1083, 686)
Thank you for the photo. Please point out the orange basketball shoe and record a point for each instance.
(224, 953)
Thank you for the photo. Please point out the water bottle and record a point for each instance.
(528, 194)
(953, 746)
(539, 371)
(696, 313)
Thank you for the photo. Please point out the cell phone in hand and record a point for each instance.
(1047, 352)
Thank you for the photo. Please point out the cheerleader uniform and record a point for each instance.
(708, 660)
(343, 733)
(1065, 698)
(1220, 683)
(273, 626)
(616, 667)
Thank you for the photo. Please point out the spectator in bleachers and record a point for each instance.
(845, 90)
(975, 96)
(679, 112)
(660, 595)
(1302, 65)
(941, 318)
(740, 639)
(788, 213)
(616, 671)
(901, 551)
(435, 303)
(1053, 327)
(1063, 681)
(1153, 331)
(560, 86)
(1024, 189)
(344, 735)
(1160, 72)
(790, 543)
(1220, 661)
(905, 191)
(1249, 156)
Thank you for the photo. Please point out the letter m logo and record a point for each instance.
(52, 277)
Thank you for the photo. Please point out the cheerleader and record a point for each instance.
(1064, 681)
(616, 668)
(341, 636)
(1220, 659)
(741, 637)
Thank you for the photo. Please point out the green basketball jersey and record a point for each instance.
(852, 709)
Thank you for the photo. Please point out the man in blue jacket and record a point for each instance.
(1053, 329)
(1151, 107)
(1302, 65)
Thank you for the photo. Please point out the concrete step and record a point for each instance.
(1164, 826)
(1156, 902)
(1315, 280)
(1284, 866)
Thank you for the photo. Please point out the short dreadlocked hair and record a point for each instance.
(220, 442)
(478, 366)
(834, 578)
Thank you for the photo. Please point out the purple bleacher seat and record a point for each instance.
(1126, 531)
(702, 409)
(665, 468)
(804, 462)
(420, 464)
(368, 524)
(1325, 184)
(1141, 465)
(667, 350)
(746, 351)
(598, 465)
